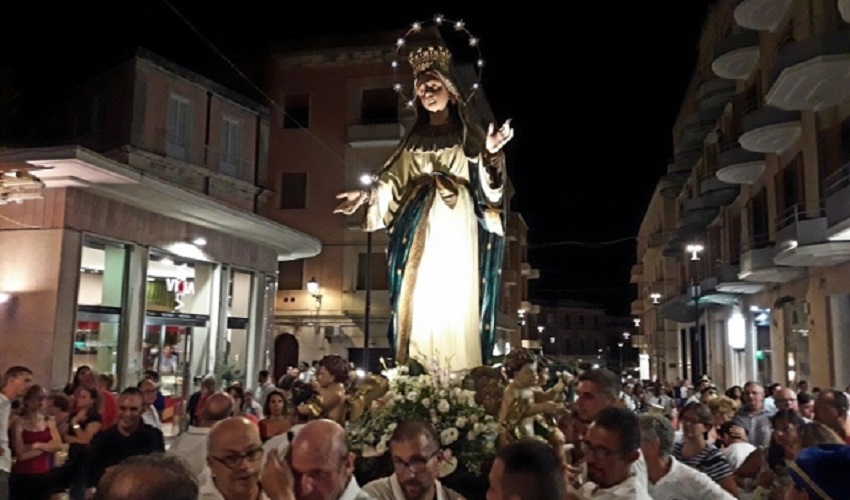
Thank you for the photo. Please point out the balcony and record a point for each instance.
(737, 56)
(726, 280)
(811, 74)
(757, 264)
(529, 308)
(528, 272)
(637, 275)
(803, 242)
(375, 135)
(655, 241)
(696, 212)
(671, 183)
(770, 130)
(686, 157)
(713, 94)
(838, 204)
(697, 126)
(718, 193)
(761, 15)
(736, 165)
(510, 277)
(637, 307)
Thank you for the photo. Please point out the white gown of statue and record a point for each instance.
(444, 299)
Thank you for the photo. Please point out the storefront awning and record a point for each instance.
(78, 167)
(681, 308)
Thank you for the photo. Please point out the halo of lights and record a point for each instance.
(438, 20)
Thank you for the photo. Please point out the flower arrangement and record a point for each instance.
(438, 396)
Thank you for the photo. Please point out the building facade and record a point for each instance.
(759, 184)
(141, 247)
(340, 118)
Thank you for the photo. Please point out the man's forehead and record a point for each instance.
(410, 447)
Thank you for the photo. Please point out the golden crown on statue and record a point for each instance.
(425, 58)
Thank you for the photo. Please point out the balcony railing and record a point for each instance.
(756, 242)
(838, 180)
(796, 213)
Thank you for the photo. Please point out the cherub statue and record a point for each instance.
(519, 411)
(329, 383)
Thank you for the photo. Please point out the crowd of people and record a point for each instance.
(621, 440)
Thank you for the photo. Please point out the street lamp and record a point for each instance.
(696, 293)
(656, 297)
(367, 180)
(313, 289)
(637, 322)
(620, 351)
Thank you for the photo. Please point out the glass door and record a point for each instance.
(167, 350)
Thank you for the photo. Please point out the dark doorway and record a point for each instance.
(285, 354)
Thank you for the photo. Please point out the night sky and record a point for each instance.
(592, 89)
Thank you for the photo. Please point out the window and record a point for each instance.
(581, 346)
(596, 345)
(379, 106)
(296, 111)
(596, 322)
(290, 275)
(550, 319)
(230, 158)
(177, 127)
(568, 346)
(581, 321)
(566, 321)
(293, 191)
(378, 269)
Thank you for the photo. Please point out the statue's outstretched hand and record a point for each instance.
(352, 201)
(496, 139)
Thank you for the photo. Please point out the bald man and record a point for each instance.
(318, 466)
(191, 445)
(235, 459)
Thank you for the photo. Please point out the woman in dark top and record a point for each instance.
(71, 388)
(83, 424)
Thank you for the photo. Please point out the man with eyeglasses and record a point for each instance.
(128, 437)
(611, 446)
(235, 460)
(416, 456)
(150, 416)
(317, 466)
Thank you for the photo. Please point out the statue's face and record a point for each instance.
(432, 92)
(526, 376)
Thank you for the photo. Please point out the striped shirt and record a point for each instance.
(710, 461)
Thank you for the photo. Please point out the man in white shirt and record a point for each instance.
(669, 479)
(150, 416)
(235, 459)
(597, 390)
(317, 465)
(191, 446)
(16, 382)
(611, 446)
(416, 457)
(736, 448)
(264, 388)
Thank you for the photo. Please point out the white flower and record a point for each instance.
(370, 438)
(473, 419)
(412, 396)
(398, 398)
(449, 436)
(381, 447)
(470, 436)
(443, 406)
(426, 402)
(460, 422)
(392, 427)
